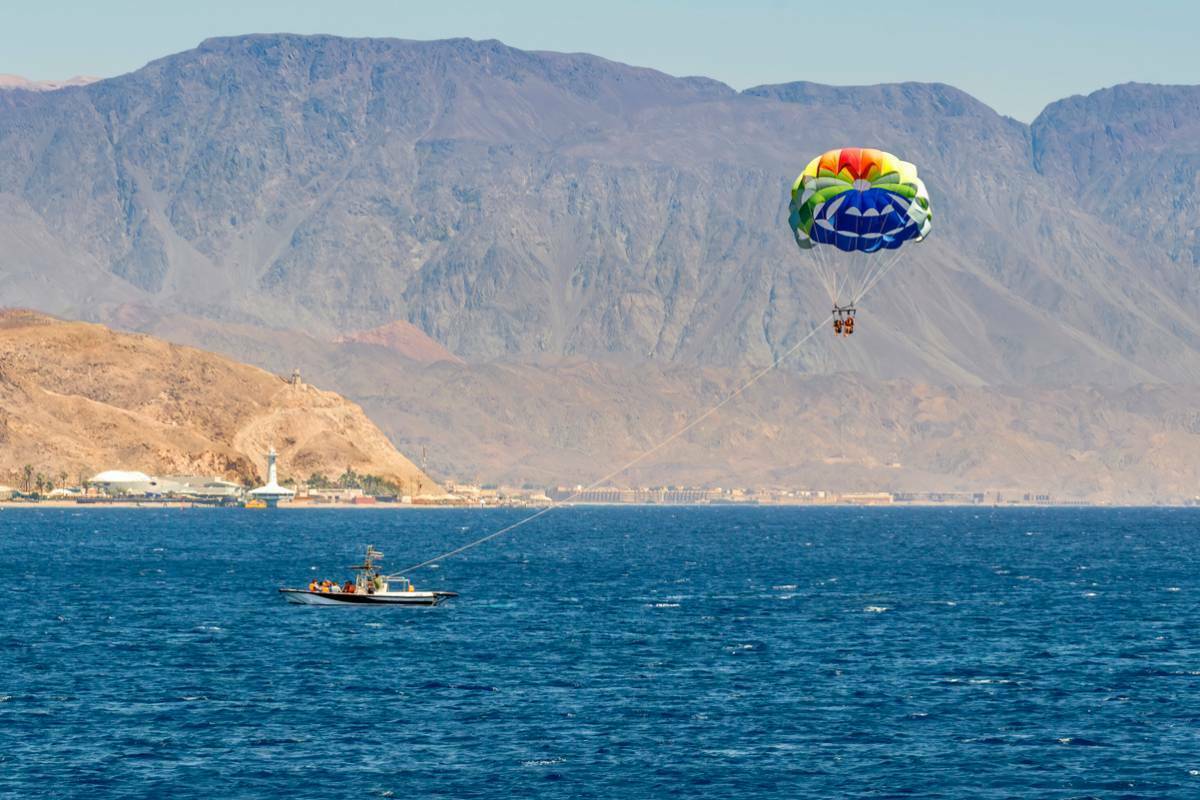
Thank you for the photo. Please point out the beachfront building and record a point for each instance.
(210, 489)
(117, 482)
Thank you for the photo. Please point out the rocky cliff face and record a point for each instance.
(1132, 155)
(512, 203)
(79, 397)
(534, 207)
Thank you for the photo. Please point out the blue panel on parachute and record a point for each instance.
(866, 221)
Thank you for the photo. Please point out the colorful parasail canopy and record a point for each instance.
(858, 199)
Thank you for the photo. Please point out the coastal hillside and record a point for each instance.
(76, 398)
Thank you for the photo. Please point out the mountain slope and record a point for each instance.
(78, 397)
(524, 204)
(328, 203)
(1132, 153)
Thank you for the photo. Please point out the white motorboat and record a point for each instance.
(370, 587)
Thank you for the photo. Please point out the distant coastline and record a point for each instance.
(288, 507)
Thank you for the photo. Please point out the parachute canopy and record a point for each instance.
(851, 211)
(859, 199)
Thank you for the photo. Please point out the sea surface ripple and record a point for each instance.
(605, 652)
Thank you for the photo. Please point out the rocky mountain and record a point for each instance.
(1132, 155)
(78, 397)
(274, 196)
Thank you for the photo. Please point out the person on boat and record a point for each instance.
(348, 588)
(313, 585)
(325, 586)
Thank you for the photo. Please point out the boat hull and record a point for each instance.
(306, 598)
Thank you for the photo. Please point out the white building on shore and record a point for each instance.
(117, 482)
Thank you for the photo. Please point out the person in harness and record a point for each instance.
(843, 320)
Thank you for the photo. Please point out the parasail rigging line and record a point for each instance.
(879, 274)
(753, 379)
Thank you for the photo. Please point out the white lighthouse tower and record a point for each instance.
(272, 493)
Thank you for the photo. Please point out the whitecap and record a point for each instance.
(784, 587)
(1090, 594)
(4, 698)
(543, 762)
(876, 609)
(663, 605)
(1173, 589)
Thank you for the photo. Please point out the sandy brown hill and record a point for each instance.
(77, 397)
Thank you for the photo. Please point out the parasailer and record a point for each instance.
(851, 211)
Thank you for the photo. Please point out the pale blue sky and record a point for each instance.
(1015, 55)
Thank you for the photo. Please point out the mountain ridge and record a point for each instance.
(539, 207)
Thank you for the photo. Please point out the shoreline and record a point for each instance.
(185, 505)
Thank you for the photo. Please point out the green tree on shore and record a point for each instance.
(26, 478)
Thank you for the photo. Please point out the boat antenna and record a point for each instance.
(753, 379)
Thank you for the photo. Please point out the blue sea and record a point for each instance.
(605, 653)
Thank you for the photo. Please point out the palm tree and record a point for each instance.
(40, 482)
(348, 479)
(62, 479)
(26, 477)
